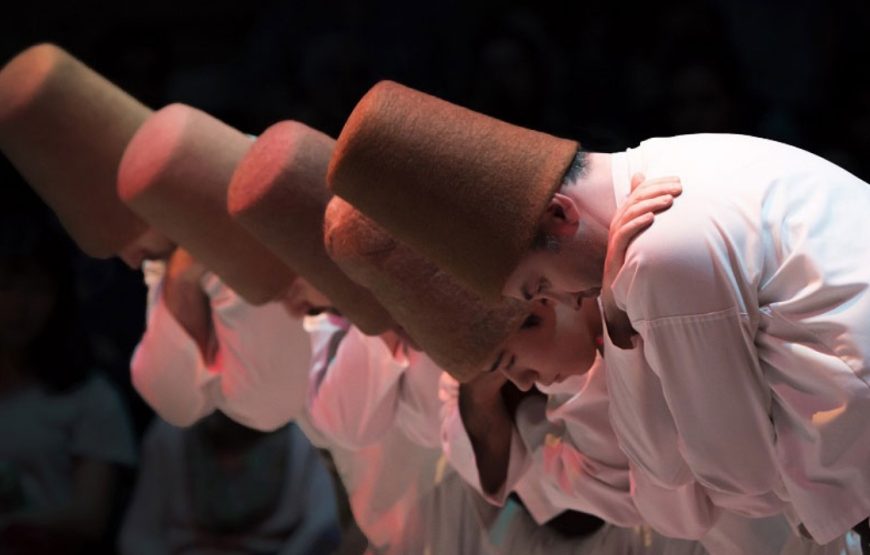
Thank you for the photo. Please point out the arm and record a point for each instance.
(633, 217)
(257, 363)
(548, 470)
(689, 304)
(262, 362)
(503, 457)
(419, 408)
(186, 300)
(660, 476)
(354, 394)
(577, 463)
(168, 369)
(489, 427)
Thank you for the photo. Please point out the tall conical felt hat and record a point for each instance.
(462, 188)
(175, 174)
(453, 325)
(278, 193)
(64, 127)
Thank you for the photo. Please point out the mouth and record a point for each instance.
(555, 379)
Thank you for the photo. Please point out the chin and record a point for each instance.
(569, 384)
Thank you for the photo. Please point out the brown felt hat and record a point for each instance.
(175, 174)
(455, 327)
(278, 193)
(464, 189)
(64, 127)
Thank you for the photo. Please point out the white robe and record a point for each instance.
(751, 296)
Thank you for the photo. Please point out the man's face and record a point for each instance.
(569, 274)
(151, 245)
(302, 299)
(553, 342)
(568, 266)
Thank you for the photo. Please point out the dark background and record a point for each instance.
(609, 74)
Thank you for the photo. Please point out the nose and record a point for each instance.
(561, 297)
(523, 379)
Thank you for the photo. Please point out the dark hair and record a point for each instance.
(59, 356)
(576, 169)
(545, 241)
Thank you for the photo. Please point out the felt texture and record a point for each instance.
(278, 193)
(457, 328)
(175, 174)
(64, 128)
(464, 189)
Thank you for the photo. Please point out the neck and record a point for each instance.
(593, 190)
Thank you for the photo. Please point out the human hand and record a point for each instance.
(489, 426)
(186, 299)
(484, 389)
(648, 196)
(183, 268)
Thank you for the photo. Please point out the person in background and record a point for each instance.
(218, 487)
(64, 433)
(736, 324)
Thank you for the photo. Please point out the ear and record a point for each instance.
(562, 217)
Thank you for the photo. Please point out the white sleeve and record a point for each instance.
(325, 333)
(167, 368)
(575, 454)
(354, 394)
(663, 487)
(419, 408)
(460, 453)
(547, 468)
(263, 359)
(258, 376)
(697, 337)
(684, 512)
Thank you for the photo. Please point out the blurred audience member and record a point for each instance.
(64, 434)
(220, 488)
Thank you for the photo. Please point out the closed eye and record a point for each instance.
(497, 362)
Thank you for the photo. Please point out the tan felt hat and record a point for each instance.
(278, 193)
(175, 174)
(453, 325)
(462, 188)
(64, 127)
